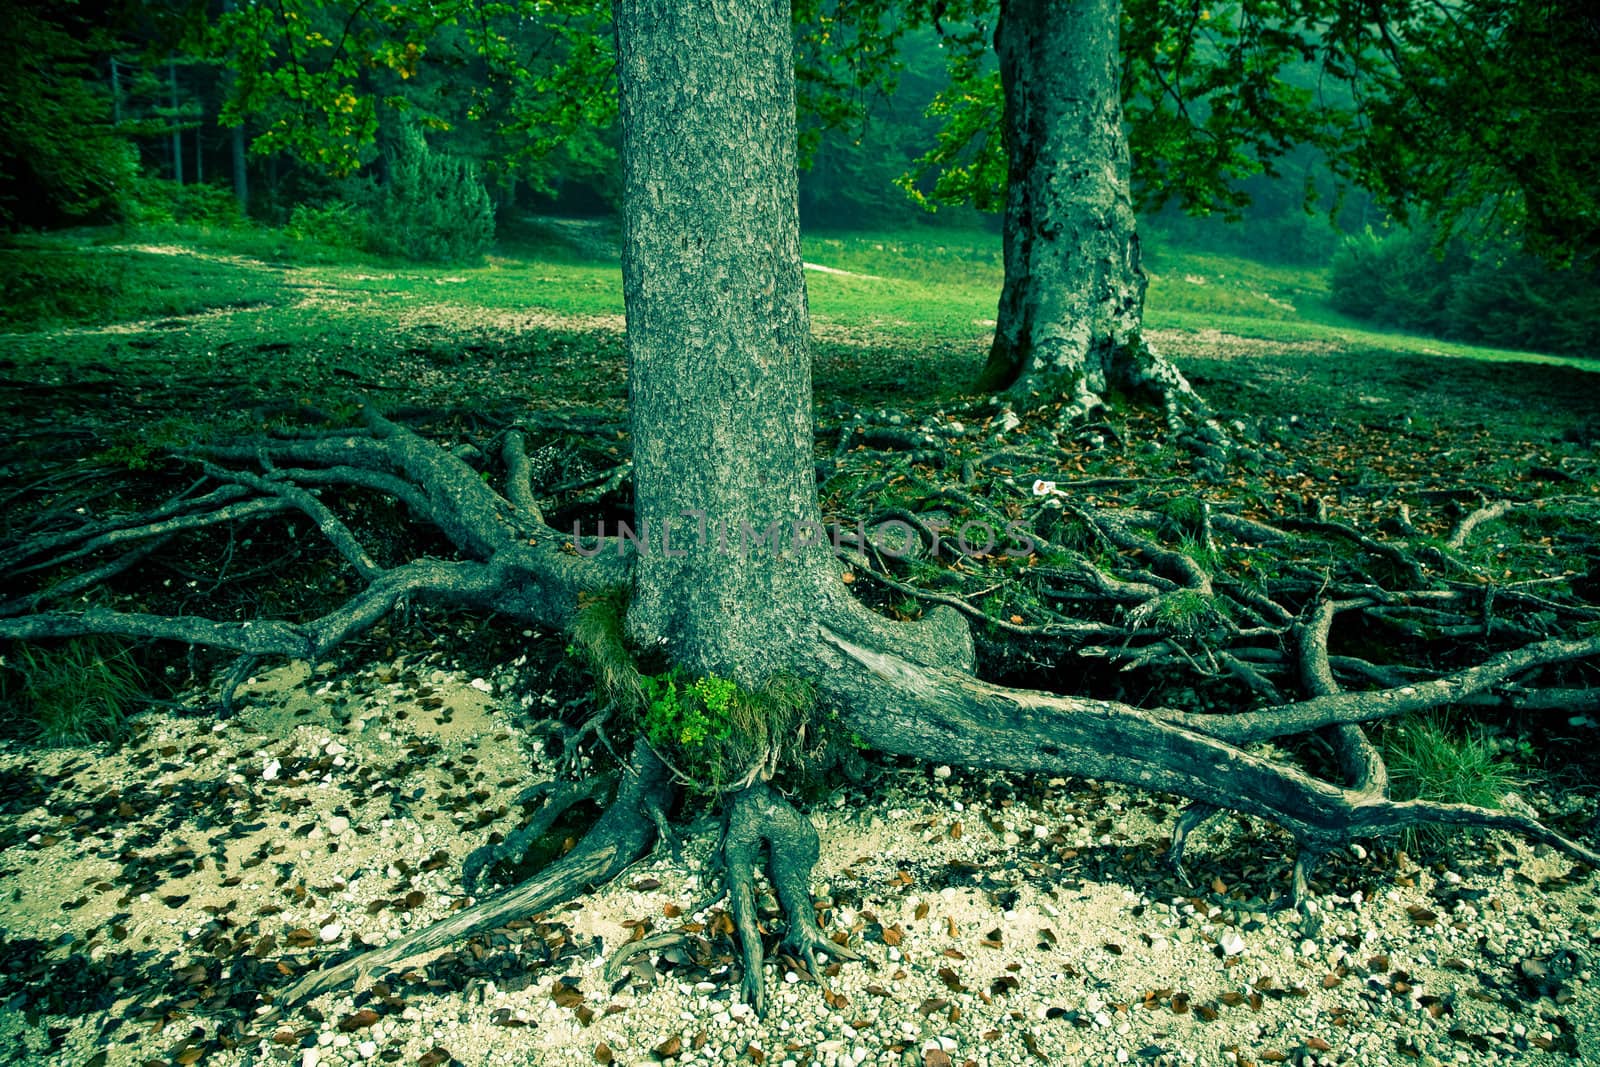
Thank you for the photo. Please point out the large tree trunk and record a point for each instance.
(1071, 311)
(734, 568)
(718, 338)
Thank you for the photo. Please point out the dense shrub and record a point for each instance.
(1491, 294)
(432, 207)
(147, 202)
(335, 223)
(62, 161)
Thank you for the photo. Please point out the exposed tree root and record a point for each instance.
(1167, 588)
(944, 716)
(758, 818)
(559, 798)
(621, 836)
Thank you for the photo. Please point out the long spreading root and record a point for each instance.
(1158, 632)
(621, 836)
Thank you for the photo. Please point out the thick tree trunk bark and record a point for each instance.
(733, 568)
(733, 553)
(1073, 303)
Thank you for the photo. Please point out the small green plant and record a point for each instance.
(1187, 513)
(687, 718)
(1075, 534)
(1430, 760)
(146, 448)
(78, 693)
(720, 736)
(1203, 555)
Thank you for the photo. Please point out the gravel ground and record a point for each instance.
(150, 895)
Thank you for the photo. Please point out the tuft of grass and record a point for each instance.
(78, 693)
(1184, 613)
(1430, 759)
(599, 642)
(1187, 513)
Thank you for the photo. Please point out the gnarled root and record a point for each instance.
(933, 714)
(622, 835)
(559, 798)
(758, 816)
(1188, 822)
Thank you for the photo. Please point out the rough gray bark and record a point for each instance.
(718, 336)
(725, 498)
(1072, 307)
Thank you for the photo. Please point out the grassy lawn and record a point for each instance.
(917, 285)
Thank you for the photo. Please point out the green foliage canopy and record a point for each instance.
(1482, 115)
(524, 86)
(1487, 114)
(61, 158)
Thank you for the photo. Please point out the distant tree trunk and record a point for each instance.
(1073, 302)
(177, 130)
(241, 175)
(718, 335)
(116, 91)
(237, 140)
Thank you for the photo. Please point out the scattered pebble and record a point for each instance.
(1001, 920)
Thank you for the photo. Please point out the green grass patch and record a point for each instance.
(76, 693)
(916, 292)
(67, 284)
(1431, 758)
(1201, 291)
